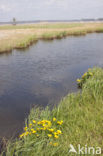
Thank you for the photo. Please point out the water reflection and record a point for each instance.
(42, 74)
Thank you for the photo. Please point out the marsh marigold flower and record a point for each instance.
(33, 131)
(22, 135)
(56, 136)
(54, 119)
(59, 122)
(78, 80)
(59, 131)
(26, 133)
(25, 128)
(30, 125)
(34, 121)
(51, 130)
(49, 135)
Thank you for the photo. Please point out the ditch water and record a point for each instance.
(41, 75)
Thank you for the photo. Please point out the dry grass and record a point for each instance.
(21, 36)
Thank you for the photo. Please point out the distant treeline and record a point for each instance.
(38, 21)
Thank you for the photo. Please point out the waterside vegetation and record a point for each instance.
(22, 36)
(78, 119)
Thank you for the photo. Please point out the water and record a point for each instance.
(42, 75)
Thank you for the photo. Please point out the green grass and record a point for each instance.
(26, 42)
(42, 26)
(54, 35)
(82, 115)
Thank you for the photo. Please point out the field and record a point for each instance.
(22, 36)
(78, 119)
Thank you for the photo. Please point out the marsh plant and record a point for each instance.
(77, 119)
(24, 35)
(84, 78)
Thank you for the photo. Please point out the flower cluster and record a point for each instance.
(50, 129)
(85, 76)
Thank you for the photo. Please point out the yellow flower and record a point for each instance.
(55, 144)
(44, 128)
(33, 131)
(59, 131)
(54, 119)
(26, 133)
(51, 130)
(39, 122)
(34, 121)
(59, 122)
(55, 133)
(85, 74)
(78, 80)
(49, 135)
(44, 121)
(56, 136)
(25, 128)
(22, 135)
(45, 125)
(49, 123)
(30, 125)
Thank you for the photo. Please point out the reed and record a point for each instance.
(21, 36)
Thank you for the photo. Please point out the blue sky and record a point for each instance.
(50, 9)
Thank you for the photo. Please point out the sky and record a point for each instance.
(50, 9)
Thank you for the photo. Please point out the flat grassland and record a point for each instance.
(21, 36)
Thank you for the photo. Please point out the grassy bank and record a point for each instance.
(22, 36)
(78, 119)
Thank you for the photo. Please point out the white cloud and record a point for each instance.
(57, 3)
(50, 9)
(5, 8)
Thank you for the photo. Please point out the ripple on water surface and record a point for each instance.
(42, 75)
